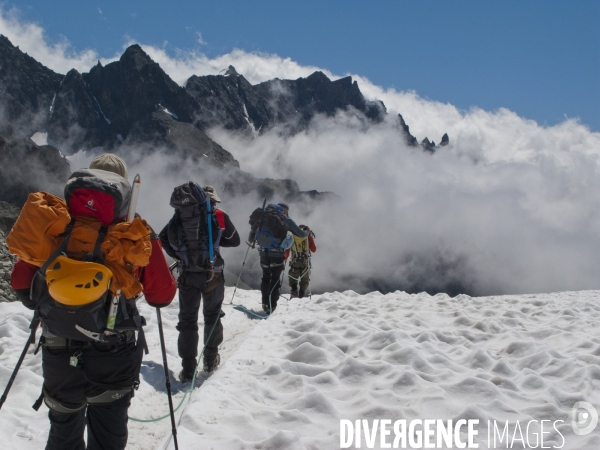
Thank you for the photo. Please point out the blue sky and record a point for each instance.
(540, 59)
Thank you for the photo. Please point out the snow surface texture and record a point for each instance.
(286, 382)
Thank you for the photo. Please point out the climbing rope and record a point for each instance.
(191, 386)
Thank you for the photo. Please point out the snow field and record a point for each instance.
(286, 382)
(399, 356)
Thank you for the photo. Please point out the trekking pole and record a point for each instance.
(260, 220)
(35, 322)
(309, 271)
(249, 246)
(167, 380)
(281, 279)
(240, 277)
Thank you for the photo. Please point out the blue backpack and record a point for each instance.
(193, 232)
(272, 228)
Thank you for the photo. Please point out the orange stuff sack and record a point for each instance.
(36, 233)
(125, 247)
(44, 218)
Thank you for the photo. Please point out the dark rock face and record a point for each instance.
(128, 91)
(220, 101)
(8, 216)
(181, 139)
(405, 130)
(445, 140)
(77, 120)
(26, 92)
(7, 260)
(26, 167)
(231, 100)
(426, 144)
(131, 107)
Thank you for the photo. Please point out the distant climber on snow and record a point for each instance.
(300, 263)
(274, 232)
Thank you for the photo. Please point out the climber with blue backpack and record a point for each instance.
(274, 232)
(193, 237)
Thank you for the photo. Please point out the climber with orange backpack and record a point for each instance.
(81, 268)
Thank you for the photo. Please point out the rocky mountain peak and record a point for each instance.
(136, 58)
(231, 72)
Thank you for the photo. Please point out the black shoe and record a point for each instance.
(301, 295)
(189, 368)
(186, 377)
(210, 365)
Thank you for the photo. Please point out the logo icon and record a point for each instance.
(90, 205)
(584, 418)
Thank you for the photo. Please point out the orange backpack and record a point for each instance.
(56, 235)
(40, 228)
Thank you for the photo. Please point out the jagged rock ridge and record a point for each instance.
(132, 105)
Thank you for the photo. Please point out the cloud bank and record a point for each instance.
(509, 207)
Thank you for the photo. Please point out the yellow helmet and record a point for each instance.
(76, 283)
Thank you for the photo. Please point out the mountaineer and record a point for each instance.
(193, 237)
(81, 267)
(300, 262)
(273, 231)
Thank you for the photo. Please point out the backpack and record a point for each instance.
(300, 253)
(99, 193)
(92, 261)
(194, 232)
(270, 225)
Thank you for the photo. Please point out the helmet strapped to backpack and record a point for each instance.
(270, 226)
(195, 230)
(77, 283)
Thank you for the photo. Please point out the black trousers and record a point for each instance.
(96, 394)
(193, 287)
(270, 285)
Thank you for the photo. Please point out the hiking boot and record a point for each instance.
(267, 309)
(186, 377)
(187, 372)
(294, 294)
(301, 295)
(210, 365)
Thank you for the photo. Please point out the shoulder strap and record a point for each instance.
(61, 248)
(97, 247)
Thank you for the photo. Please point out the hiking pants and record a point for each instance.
(193, 287)
(270, 286)
(96, 393)
(297, 271)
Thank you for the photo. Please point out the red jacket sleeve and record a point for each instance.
(159, 284)
(311, 244)
(22, 275)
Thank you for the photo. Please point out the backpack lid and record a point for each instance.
(187, 194)
(99, 193)
(274, 209)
